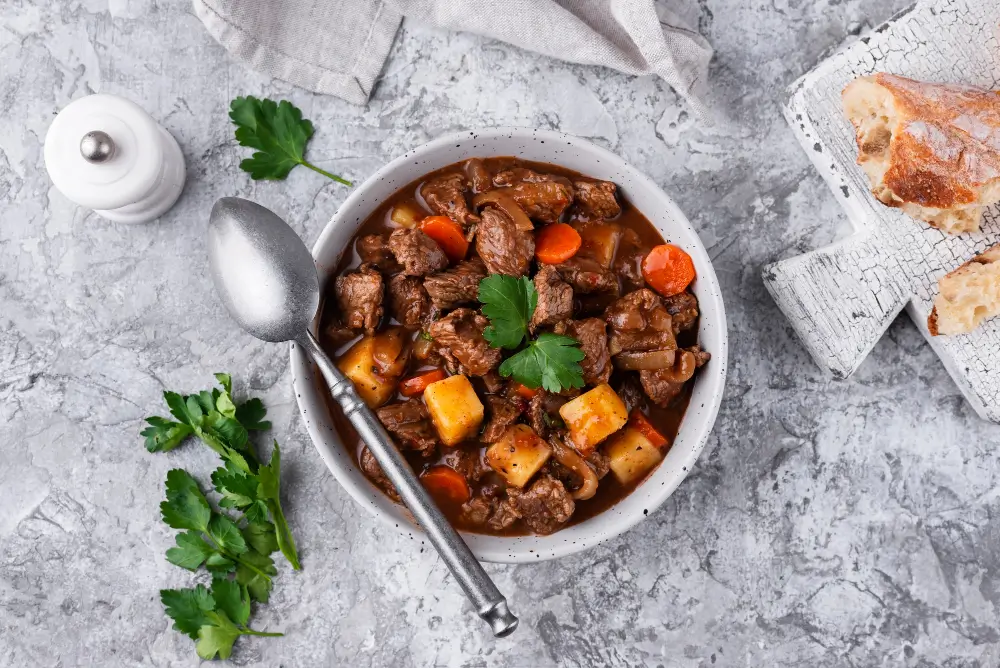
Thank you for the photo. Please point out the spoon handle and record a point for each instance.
(487, 599)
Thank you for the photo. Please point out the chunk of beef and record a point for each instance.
(595, 200)
(544, 507)
(456, 286)
(467, 462)
(418, 253)
(701, 357)
(478, 175)
(514, 175)
(477, 510)
(588, 276)
(503, 248)
(335, 334)
(503, 414)
(459, 338)
(374, 249)
(445, 196)
(408, 301)
(374, 472)
(660, 388)
(683, 310)
(410, 423)
(629, 391)
(600, 462)
(628, 260)
(359, 298)
(639, 322)
(503, 517)
(593, 338)
(555, 298)
(494, 382)
(543, 197)
(543, 412)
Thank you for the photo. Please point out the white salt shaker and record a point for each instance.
(106, 153)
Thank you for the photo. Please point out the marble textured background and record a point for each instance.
(852, 523)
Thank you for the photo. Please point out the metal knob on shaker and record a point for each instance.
(106, 153)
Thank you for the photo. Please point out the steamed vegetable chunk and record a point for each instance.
(358, 364)
(518, 455)
(592, 417)
(632, 455)
(455, 409)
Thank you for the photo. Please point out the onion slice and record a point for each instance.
(682, 370)
(505, 203)
(569, 458)
(646, 361)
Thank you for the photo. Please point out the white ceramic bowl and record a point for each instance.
(588, 159)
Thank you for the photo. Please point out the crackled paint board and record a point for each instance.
(841, 299)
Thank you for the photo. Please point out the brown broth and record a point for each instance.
(610, 491)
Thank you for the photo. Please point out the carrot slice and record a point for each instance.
(668, 270)
(446, 484)
(524, 391)
(646, 428)
(414, 385)
(448, 235)
(556, 243)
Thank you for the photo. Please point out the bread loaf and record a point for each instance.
(967, 296)
(932, 150)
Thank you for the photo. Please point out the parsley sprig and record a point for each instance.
(278, 133)
(237, 552)
(551, 360)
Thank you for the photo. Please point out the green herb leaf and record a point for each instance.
(551, 361)
(278, 133)
(270, 477)
(258, 585)
(188, 608)
(509, 304)
(191, 551)
(226, 534)
(260, 536)
(178, 408)
(231, 598)
(217, 636)
(237, 487)
(226, 381)
(218, 563)
(185, 507)
(164, 435)
(251, 415)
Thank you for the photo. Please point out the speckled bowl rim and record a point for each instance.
(594, 161)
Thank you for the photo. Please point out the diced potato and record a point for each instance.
(358, 364)
(632, 455)
(518, 455)
(406, 214)
(455, 409)
(592, 417)
(600, 240)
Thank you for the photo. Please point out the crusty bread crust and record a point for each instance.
(968, 295)
(932, 150)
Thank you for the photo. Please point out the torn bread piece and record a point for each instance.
(932, 150)
(967, 296)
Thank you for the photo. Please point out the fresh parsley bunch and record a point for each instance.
(551, 360)
(278, 133)
(240, 547)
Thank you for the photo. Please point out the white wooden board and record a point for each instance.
(841, 299)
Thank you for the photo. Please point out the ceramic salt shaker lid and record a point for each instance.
(106, 153)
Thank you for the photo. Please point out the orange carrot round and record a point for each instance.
(414, 385)
(646, 428)
(524, 391)
(448, 235)
(556, 243)
(446, 484)
(668, 270)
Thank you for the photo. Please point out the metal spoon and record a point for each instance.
(267, 280)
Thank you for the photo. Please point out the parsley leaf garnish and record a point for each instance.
(551, 361)
(508, 302)
(187, 607)
(278, 133)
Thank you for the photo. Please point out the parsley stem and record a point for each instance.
(229, 555)
(250, 632)
(326, 173)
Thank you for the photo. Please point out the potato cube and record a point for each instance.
(632, 455)
(358, 364)
(518, 454)
(406, 214)
(600, 240)
(455, 409)
(592, 417)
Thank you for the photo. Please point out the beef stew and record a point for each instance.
(503, 453)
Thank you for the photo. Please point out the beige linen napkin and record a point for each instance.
(339, 46)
